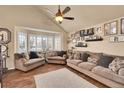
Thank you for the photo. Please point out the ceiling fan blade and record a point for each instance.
(69, 18)
(67, 9)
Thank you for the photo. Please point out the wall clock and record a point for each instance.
(5, 36)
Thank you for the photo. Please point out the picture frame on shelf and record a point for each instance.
(122, 26)
(78, 38)
(82, 38)
(77, 34)
(91, 31)
(82, 32)
(98, 30)
(113, 39)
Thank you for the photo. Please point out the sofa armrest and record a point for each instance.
(17, 56)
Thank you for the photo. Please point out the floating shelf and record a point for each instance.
(90, 40)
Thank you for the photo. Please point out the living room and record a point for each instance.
(43, 45)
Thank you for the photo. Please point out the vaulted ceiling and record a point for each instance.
(85, 15)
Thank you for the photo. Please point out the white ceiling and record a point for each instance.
(85, 15)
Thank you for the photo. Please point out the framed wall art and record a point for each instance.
(77, 34)
(122, 26)
(98, 30)
(111, 28)
(112, 39)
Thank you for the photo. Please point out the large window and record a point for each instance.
(39, 43)
(34, 42)
(57, 42)
(22, 42)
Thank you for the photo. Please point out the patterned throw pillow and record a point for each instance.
(92, 60)
(51, 54)
(116, 64)
(26, 56)
(77, 56)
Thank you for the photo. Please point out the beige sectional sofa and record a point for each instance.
(100, 73)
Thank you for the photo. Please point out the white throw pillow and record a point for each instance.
(116, 64)
(92, 60)
(121, 72)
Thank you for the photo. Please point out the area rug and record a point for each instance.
(62, 78)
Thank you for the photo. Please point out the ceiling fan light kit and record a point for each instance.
(59, 19)
(59, 15)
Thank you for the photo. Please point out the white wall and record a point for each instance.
(104, 46)
(26, 16)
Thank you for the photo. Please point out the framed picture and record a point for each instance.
(106, 29)
(113, 28)
(120, 38)
(82, 33)
(98, 30)
(82, 38)
(122, 26)
(110, 28)
(78, 38)
(113, 39)
(77, 34)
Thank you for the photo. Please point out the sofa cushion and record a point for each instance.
(33, 55)
(105, 61)
(75, 62)
(84, 56)
(32, 61)
(56, 58)
(116, 64)
(86, 65)
(107, 73)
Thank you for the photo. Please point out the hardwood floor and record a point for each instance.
(19, 79)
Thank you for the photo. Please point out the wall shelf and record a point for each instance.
(91, 40)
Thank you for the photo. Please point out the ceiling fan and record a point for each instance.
(60, 14)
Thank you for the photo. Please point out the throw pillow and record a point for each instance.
(77, 56)
(105, 61)
(49, 54)
(121, 72)
(40, 54)
(92, 60)
(61, 53)
(84, 56)
(33, 55)
(54, 53)
(116, 64)
(25, 55)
